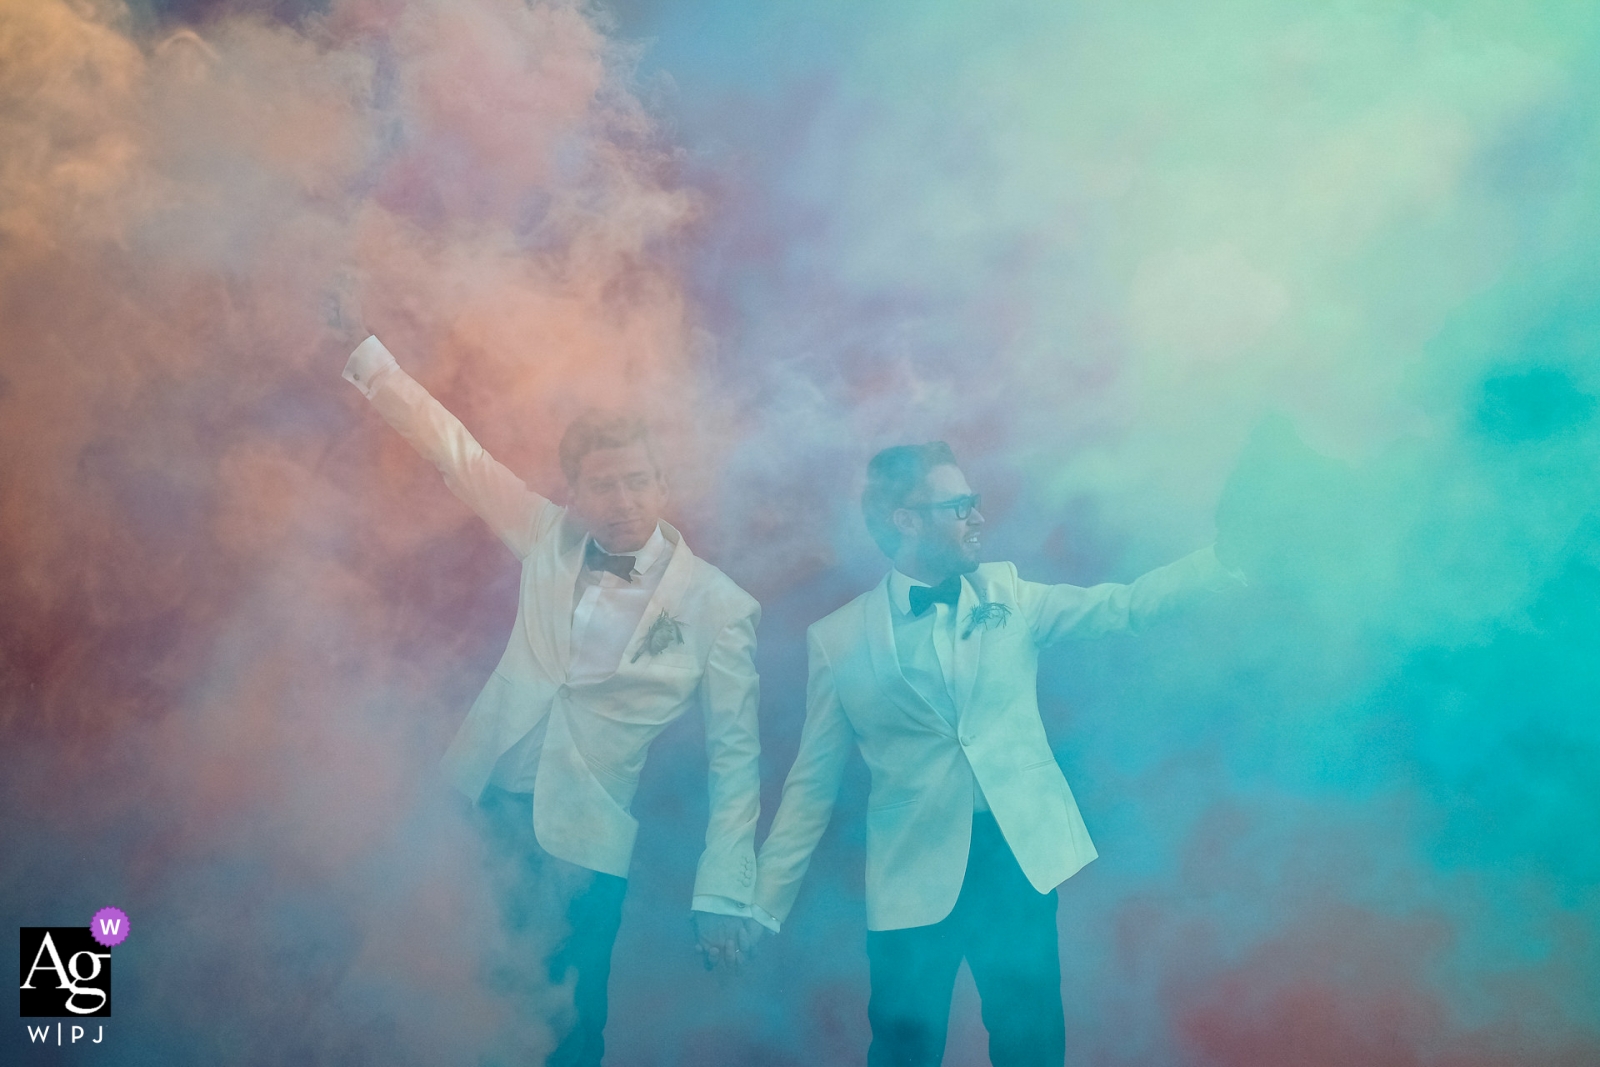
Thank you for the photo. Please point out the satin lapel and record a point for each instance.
(547, 614)
(573, 538)
(886, 660)
(968, 649)
(674, 584)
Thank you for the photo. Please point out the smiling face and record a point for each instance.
(934, 543)
(618, 495)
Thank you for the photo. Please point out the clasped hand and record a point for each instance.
(726, 941)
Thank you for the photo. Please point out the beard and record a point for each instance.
(945, 557)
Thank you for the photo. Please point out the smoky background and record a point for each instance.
(1319, 284)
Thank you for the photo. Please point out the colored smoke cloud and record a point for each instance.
(1330, 269)
(1320, 282)
(241, 618)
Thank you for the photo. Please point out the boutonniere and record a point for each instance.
(665, 632)
(987, 615)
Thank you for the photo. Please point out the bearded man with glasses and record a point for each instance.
(970, 824)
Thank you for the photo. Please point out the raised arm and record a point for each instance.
(1057, 612)
(808, 793)
(516, 514)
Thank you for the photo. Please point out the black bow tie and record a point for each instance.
(598, 559)
(924, 597)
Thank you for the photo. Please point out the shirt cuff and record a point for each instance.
(367, 364)
(727, 906)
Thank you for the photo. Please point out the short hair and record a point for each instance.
(892, 476)
(594, 430)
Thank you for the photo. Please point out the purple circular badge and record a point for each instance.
(109, 927)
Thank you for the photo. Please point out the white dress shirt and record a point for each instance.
(606, 610)
(926, 647)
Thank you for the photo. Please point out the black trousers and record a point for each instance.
(1006, 931)
(541, 895)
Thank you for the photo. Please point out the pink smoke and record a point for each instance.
(241, 617)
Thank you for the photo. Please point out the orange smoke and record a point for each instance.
(173, 214)
(240, 615)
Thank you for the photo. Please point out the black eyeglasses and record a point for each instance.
(961, 505)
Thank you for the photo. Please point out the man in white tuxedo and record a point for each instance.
(619, 630)
(970, 824)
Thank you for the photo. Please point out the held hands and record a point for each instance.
(726, 941)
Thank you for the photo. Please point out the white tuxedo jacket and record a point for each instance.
(596, 734)
(919, 811)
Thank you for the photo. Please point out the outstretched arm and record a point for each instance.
(1057, 612)
(808, 793)
(516, 514)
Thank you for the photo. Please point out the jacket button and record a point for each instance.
(966, 739)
